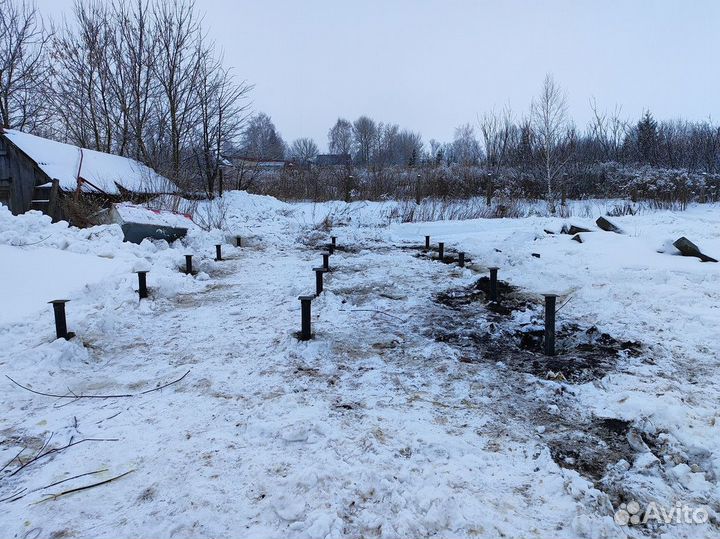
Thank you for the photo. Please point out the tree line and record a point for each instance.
(537, 154)
(138, 78)
(141, 78)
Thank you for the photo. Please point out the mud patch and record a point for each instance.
(414, 248)
(484, 332)
(449, 258)
(571, 338)
(348, 249)
(202, 297)
(579, 359)
(316, 240)
(592, 447)
(510, 298)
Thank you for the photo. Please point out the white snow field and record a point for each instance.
(414, 412)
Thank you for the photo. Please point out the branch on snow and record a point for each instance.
(74, 396)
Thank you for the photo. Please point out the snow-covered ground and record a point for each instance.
(414, 411)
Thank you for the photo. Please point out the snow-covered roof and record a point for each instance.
(65, 162)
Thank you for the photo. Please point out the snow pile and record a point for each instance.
(41, 249)
(31, 278)
(132, 213)
(266, 219)
(43, 261)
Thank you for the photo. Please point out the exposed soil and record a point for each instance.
(590, 447)
(510, 298)
(449, 257)
(485, 331)
(341, 249)
(582, 355)
(578, 365)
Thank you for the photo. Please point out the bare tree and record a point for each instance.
(181, 51)
(551, 127)
(139, 78)
(608, 130)
(23, 65)
(385, 146)
(364, 133)
(261, 140)
(705, 146)
(133, 50)
(465, 147)
(221, 104)
(408, 148)
(436, 151)
(303, 150)
(499, 134)
(82, 91)
(340, 137)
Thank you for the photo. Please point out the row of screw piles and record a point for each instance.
(306, 301)
(60, 316)
(550, 299)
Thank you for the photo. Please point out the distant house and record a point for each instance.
(36, 173)
(260, 164)
(332, 160)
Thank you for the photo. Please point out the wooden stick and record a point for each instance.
(21, 493)
(18, 494)
(58, 449)
(28, 244)
(166, 385)
(86, 487)
(70, 479)
(374, 311)
(13, 459)
(45, 444)
(66, 396)
(74, 396)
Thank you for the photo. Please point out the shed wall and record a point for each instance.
(18, 178)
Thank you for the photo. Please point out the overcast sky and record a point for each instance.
(433, 65)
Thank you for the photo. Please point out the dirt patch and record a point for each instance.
(448, 258)
(415, 248)
(348, 249)
(582, 354)
(321, 242)
(203, 297)
(571, 338)
(591, 447)
(482, 331)
(571, 368)
(580, 358)
(510, 298)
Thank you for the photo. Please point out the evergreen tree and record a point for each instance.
(647, 139)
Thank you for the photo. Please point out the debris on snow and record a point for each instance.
(573, 230)
(607, 226)
(139, 223)
(688, 248)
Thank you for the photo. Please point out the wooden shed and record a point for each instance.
(36, 173)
